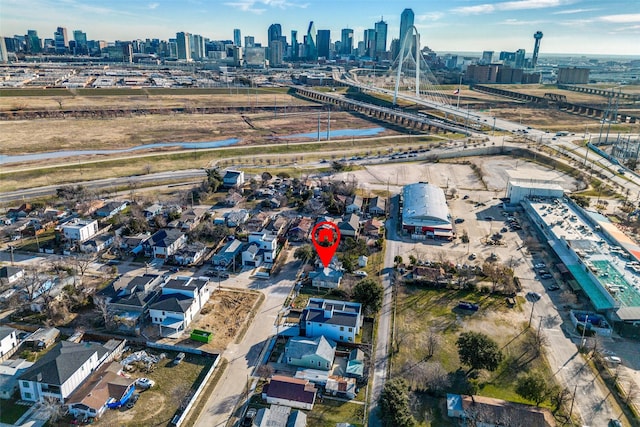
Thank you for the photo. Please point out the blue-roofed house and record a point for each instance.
(336, 320)
(316, 353)
(355, 364)
(229, 255)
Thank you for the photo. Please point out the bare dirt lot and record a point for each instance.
(225, 314)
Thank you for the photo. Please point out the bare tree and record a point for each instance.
(432, 342)
(102, 307)
(53, 408)
(265, 371)
(81, 263)
(430, 376)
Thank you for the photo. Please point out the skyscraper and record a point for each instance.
(311, 46)
(274, 33)
(347, 41)
(294, 44)
(324, 40)
(4, 57)
(80, 37)
(60, 39)
(237, 38)
(184, 47)
(520, 58)
(249, 41)
(536, 48)
(487, 57)
(276, 52)
(406, 22)
(381, 38)
(369, 42)
(34, 45)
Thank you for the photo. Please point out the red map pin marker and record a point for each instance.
(325, 238)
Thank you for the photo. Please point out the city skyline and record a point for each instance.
(569, 26)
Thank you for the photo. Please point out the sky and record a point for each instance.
(606, 27)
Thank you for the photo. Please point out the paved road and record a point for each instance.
(381, 367)
(244, 357)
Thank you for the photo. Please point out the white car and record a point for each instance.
(614, 360)
(145, 383)
(360, 273)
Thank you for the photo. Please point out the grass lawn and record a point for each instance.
(159, 404)
(10, 412)
(329, 412)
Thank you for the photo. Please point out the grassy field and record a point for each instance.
(420, 310)
(329, 412)
(10, 412)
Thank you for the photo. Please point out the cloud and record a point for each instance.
(433, 16)
(260, 6)
(509, 5)
(572, 11)
(620, 19)
(521, 22)
(153, 6)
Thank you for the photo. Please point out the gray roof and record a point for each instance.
(61, 362)
(8, 271)
(298, 347)
(297, 419)
(424, 202)
(176, 303)
(185, 284)
(340, 312)
(165, 237)
(350, 221)
(5, 331)
(326, 274)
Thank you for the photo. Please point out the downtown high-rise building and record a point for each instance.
(311, 47)
(184, 46)
(249, 41)
(294, 44)
(276, 53)
(237, 37)
(324, 42)
(406, 22)
(274, 33)
(196, 41)
(381, 39)
(34, 44)
(80, 37)
(346, 41)
(61, 41)
(369, 42)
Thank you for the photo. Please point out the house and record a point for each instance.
(128, 299)
(267, 244)
(233, 179)
(317, 353)
(21, 212)
(257, 222)
(10, 370)
(79, 230)
(279, 416)
(377, 206)
(229, 255)
(355, 364)
(339, 386)
(110, 209)
(430, 275)
(349, 226)
(251, 256)
(372, 228)
(181, 299)
(165, 242)
(42, 338)
(188, 220)
(326, 278)
(105, 388)
(9, 274)
(62, 369)
(134, 244)
(190, 254)
(236, 218)
(151, 211)
(278, 225)
(355, 206)
(490, 412)
(300, 229)
(8, 342)
(97, 243)
(288, 391)
(336, 320)
(232, 199)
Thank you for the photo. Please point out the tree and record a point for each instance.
(266, 177)
(559, 396)
(478, 351)
(304, 253)
(397, 260)
(532, 386)
(368, 293)
(431, 376)
(214, 179)
(394, 404)
(464, 237)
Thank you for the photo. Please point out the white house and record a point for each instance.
(182, 298)
(267, 243)
(11, 274)
(166, 242)
(355, 206)
(233, 178)
(336, 320)
(97, 244)
(61, 370)
(79, 230)
(8, 342)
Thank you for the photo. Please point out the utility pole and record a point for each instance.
(318, 126)
(573, 399)
(531, 315)
(329, 124)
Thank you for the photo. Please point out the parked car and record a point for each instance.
(466, 305)
(546, 276)
(145, 383)
(614, 360)
(247, 421)
(132, 400)
(473, 256)
(179, 358)
(539, 265)
(533, 296)
(553, 287)
(459, 220)
(615, 423)
(360, 273)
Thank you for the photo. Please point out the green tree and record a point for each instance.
(214, 179)
(394, 404)
(266, 177)
(478, 351)
(532, 386)
(397, 260)
(304, 253)
(368, 293)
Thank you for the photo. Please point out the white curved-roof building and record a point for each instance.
(425, 211)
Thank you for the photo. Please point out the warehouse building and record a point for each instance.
(425, 213)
